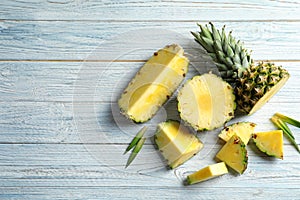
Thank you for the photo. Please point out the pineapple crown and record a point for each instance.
(230, 56)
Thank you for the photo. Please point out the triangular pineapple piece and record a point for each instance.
(206, 102)
(207, 173)
(234, 154)
(154, 84)
(176, 143)
(242, 129)
(270, 142)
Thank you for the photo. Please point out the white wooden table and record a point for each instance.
(63, 64)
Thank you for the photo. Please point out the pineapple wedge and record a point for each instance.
(270, 142)
(242, 129)
(206, 102)
(234, 154)
(153, 85)
(176, 143)
(207, 173)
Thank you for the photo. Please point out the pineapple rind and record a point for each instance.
(258, 85)
(154, 84)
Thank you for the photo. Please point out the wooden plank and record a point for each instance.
(143, 10)
(95, 81)
(28, 193)
(80, 40)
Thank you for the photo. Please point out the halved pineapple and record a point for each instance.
(176, 143)
(207, 173)
(206, 102)
(154, 83)
(242, 129)
(234, 154)
(270, 142)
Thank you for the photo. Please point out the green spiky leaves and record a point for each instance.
(229, 55)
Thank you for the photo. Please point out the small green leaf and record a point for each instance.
(135, 151)
(288, 119)
(136, 139)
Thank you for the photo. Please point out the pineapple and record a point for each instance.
(254, 84)
(207, 173)
(234, 154)
(270, 142)
(176, 143)
(242, 129)
(206, 102)
(153, 85)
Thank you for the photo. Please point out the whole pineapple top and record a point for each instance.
(229, 55)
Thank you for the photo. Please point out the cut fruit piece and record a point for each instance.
(176, 143)
(207, 173)
(234, 154)
(153, 85)
(270, 142)
(242, 129)
(206, 102)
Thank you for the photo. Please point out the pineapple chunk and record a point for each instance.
(242, 129)
(176, 143)
(270, 142)
(206, 102)
(234, 154)
(207, 173)
(154, 83)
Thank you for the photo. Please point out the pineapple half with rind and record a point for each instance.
(242, 129)
(154, 84)
(258, 84)
(234, 154)
(270, 142)
(206, 102)
(255, 84)
(176, 143)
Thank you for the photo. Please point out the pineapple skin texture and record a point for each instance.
(206, 102)
(154, 84)
(270, 142)
(207, 173)
(258, 84)
(242, 129)
(176, 143)
(234, 154)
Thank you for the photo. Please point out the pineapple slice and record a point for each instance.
(242, 129)
(206, 102)
(176, 143)
(234, 154)
(207, 173)
(154, 83)
(270, 142)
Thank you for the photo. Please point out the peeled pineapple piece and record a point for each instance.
(242, 129)
(270, 142)
(207, 173)
(176, 143)
(234, 154)
(155, 82)
(206, 102)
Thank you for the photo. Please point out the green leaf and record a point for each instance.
(205, 32)
(136, 139)
(282, 125)
(288, 119)
(135, 151)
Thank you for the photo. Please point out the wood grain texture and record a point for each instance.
(61, 133)
(77, 40)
